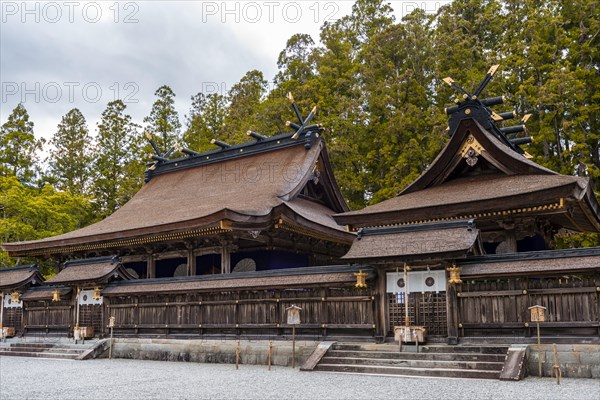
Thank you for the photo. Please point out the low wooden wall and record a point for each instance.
(46, 316)
(499, 306)
(325, 311)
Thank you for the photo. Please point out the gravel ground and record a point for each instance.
(30, 378)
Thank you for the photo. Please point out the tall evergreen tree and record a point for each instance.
(19, 147)
(117, 168)
(163, 120)
(206, 121)
(70, 158)
(245, 98)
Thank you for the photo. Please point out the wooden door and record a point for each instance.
(426, 309)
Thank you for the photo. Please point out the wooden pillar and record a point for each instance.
(2, 310)
(382, 316)
(150, 266)
(452, 312)
(191, 262)
(225, 259)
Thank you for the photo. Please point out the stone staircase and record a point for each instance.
(483, 362)
(57, 350)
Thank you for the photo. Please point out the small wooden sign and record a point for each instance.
(293, 315)
(538, 313)
(111, 322)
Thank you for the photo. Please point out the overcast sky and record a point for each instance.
(55, 56)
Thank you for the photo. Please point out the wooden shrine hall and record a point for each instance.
(221, 243)
(475, 232)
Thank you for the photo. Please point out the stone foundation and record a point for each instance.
(253, 352)
(575, 360)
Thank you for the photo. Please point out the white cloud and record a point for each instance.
(55, 56)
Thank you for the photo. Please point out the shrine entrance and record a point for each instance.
(426, 301)
(425, 309)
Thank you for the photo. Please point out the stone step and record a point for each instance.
(447, 364)
(57, 349)
(408, 371)
(39, 354)
(424, 348)
(48, 345)
(418, 356)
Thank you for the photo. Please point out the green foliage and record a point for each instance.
(206, 121)
(379, 91)
(163, 120)
(70, 158)
(35, 213)
(117, 167)
(244, 110)
(18, 146)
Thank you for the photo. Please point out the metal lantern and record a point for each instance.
(97, 295)
(56, 295)
(15, 297)
(538, 313)
(360, 279)
(454, 274)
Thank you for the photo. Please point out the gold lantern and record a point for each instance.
(454, 274)
(56, 295)
(97, 295)
(15, 297)
(360, 279)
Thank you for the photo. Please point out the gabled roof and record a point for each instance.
(567, 261)
(281, 278)
(455, 239)
(45, 293)
(241, 187)
(18, 277)
(504, 183)
(90, 271)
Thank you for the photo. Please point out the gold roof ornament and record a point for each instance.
(15, 297)
(454, 274)
(361, 277)
(56, 295)
(97, 294)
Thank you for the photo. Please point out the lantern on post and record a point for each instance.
(293, 315)
(111, 325)
(454, 274)
(293, 319)
(56, 295)
(361, 277)
(538, 314)
(97, 294)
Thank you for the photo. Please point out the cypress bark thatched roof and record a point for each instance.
(501, 182)
(248, 185)
(17, 277)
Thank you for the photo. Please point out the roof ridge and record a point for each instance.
(245, 149)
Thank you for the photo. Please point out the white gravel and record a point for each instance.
(30, 378)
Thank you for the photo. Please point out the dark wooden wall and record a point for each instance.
(261, 312)
(48, 316)
(500, 306)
